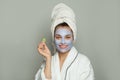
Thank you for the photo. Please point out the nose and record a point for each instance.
(63, 41)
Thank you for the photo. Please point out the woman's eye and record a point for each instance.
(68, 37)
(57, 37)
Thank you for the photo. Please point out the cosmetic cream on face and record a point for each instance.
(63, 39)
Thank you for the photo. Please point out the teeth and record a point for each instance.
(63, 46)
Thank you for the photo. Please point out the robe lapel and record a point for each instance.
(68, 61)
(56, 68)
(60, 75)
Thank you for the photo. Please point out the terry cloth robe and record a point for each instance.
(75, 67)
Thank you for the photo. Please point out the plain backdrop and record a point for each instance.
(24, 22)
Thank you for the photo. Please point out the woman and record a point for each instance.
(66, 63)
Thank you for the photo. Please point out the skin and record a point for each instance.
(65, 40)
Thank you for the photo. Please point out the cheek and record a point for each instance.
(57, 41)
(69, 42)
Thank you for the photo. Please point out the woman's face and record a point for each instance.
(63, 39)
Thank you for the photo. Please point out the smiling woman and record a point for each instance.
(67, 63)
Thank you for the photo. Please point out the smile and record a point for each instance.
(62, 46)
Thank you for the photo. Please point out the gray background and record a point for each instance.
(24, 22)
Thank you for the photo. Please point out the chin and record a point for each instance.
(63, 51)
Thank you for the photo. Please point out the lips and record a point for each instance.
(63, 46)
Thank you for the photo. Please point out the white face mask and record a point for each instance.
(63, 39)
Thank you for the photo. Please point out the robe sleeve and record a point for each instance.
(88, 74)
(40, 73)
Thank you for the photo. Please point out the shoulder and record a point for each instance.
(85, 67)
(83, 63)
(83, 59)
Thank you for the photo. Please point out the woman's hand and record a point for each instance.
(44, 51)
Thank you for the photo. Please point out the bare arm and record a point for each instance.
(44, 51)
(47, 70)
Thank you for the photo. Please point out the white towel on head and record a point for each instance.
(62, 13)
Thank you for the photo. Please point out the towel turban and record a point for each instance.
(62, 13)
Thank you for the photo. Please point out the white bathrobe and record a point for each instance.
(75, 67)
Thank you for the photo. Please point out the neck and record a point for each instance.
(62, 56)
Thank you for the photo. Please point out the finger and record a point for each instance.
(40, 45)
(41, 51)
(45, 46)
